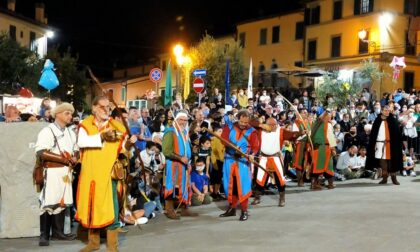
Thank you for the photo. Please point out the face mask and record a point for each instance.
(219, 97)
(200, 168)
(352, 132)
(377, 110)
(151, 152)
(290, 116)
(206, 113)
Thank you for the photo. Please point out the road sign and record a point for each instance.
(199, 72)
(198, 85)
(155, 75)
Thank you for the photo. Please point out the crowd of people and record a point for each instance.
(121, 166)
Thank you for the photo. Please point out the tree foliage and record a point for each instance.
(212, 55)
(340, 90)
(19, 65)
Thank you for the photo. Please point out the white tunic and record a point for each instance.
(270, 142)
(380, 148)
(57, 184)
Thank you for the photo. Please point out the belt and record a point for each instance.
(49, 164)
(385, 141)
(274, 155)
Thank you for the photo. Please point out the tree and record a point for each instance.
(340, 90)
(17, 65)
(73, 82)
(211, 55)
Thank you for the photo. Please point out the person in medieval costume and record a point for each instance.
(271, 141)
(237, 175)
(101, 140)
(324, 149)
(385, 147)
(57, 150)
(301, 157)
(177, 151)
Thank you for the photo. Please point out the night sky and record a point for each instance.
(110, 33)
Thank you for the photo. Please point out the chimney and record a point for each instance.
(11, 5)
(39, 12)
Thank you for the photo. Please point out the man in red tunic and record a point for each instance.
(271, 139)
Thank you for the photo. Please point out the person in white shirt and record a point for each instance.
(408, 166)
(264, 98)
(348, 164)
(148, 156)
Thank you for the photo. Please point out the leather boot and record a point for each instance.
(314, 184)
(384, 177)
(331, 183)
(169, 210)
(58, 228)
(282, 199)
(379, 171)
(94, 241)
(299, 176)
(394, 179)
(257, 198)
(229, 212)
(112, 241)
(244, 216)
(45, 227)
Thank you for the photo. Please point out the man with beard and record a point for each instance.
(177, 151)
(385, 147)
(101, 139)
(236, 168)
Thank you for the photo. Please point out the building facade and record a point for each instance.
(273, 42)
(30, 33)
(341, 33)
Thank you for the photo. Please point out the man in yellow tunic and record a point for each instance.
(100, 140)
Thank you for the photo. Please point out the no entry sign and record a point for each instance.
(198, 85)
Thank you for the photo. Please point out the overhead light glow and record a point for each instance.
(385, 19)
(50, 34)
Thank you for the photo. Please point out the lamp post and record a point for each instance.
(178, 51)
(363, 37)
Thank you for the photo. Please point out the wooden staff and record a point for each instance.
(237, 150)
(184, 138)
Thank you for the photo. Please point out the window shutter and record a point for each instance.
(356, 7)
(371, 5)
(307, 16)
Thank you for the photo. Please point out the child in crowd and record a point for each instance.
(217, 157)
(408, 165)
(200, 184)
(205, 151)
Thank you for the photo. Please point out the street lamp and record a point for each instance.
(363, 37)
(180, 59)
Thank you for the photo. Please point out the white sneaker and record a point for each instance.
(404, 173)
(413, 174)
(141, 221)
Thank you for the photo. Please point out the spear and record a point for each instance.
(237, 150)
